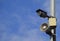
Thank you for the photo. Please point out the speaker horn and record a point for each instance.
(44, 27)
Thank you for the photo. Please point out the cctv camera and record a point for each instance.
(42, 13)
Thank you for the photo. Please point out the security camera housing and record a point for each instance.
(42, 13)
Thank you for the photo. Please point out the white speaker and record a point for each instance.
(44, 27)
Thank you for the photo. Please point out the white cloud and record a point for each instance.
(32, 35)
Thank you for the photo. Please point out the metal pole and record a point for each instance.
(52, 9)
(53, 37)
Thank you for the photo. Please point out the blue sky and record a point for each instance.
(20, 22)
